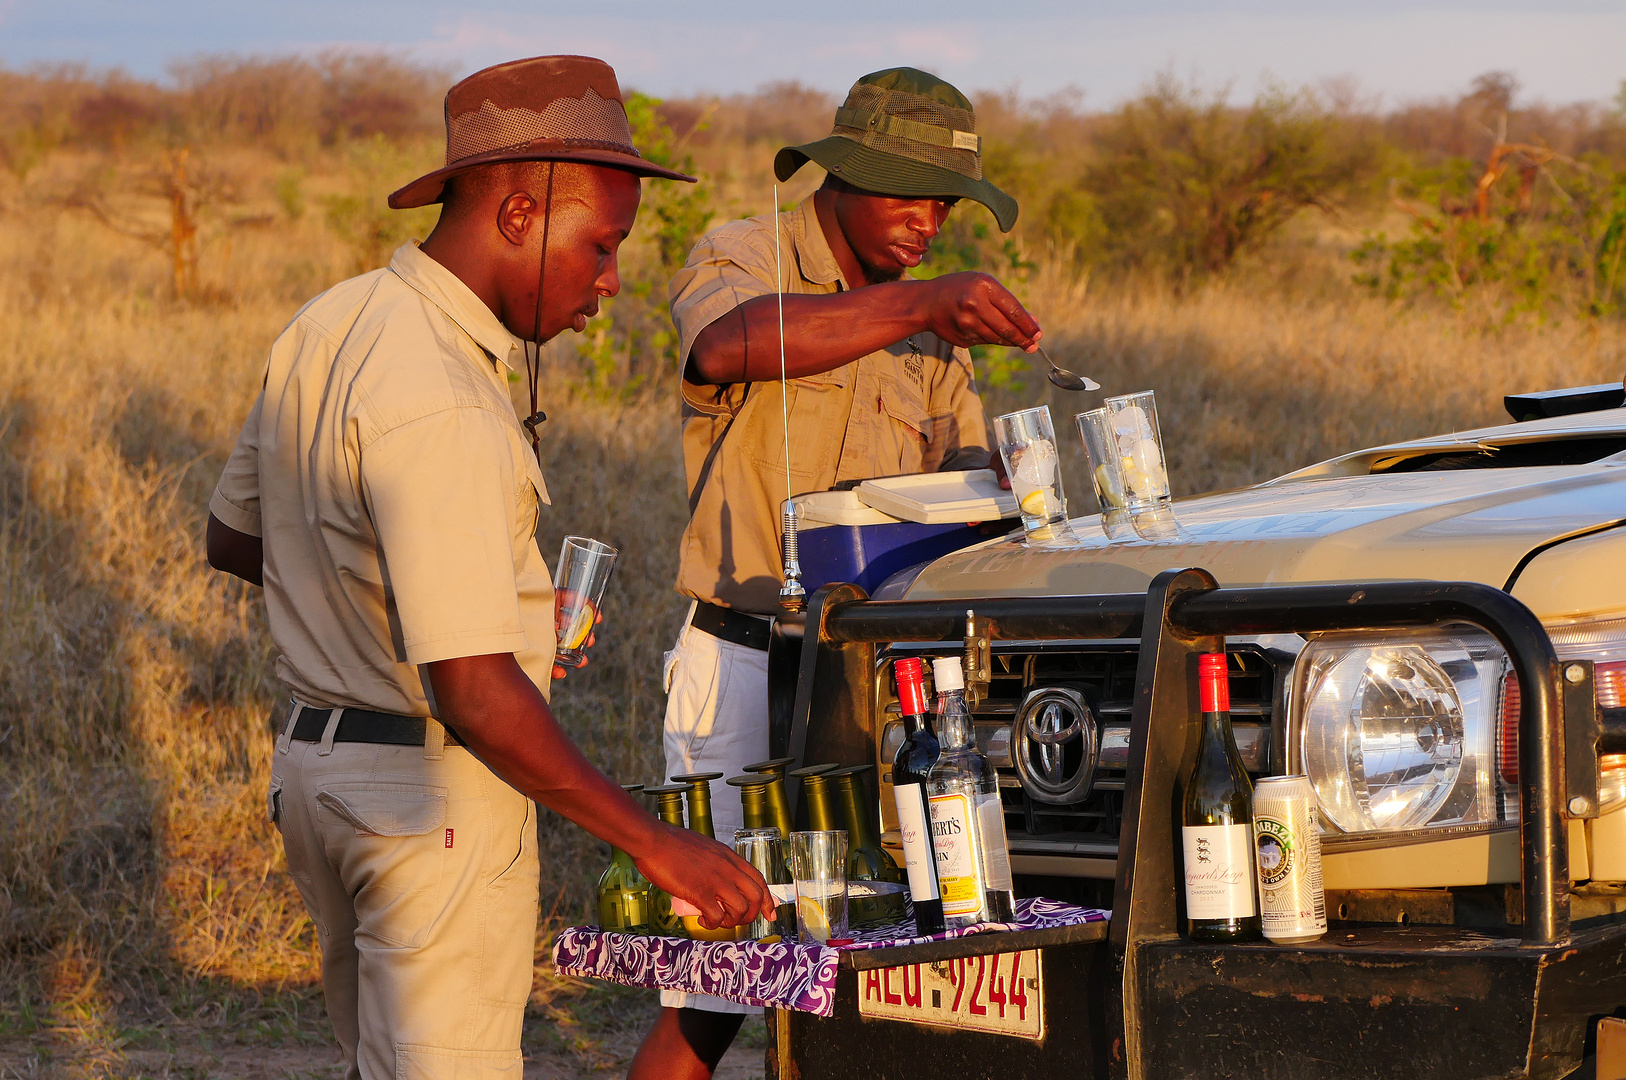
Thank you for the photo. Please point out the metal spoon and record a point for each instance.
(1067, 380)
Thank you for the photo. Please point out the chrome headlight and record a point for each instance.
(1397, 730)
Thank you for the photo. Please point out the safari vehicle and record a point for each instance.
(1433, 631)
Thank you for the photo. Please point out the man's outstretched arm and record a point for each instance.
(238, 554)
(824, 332)
(501, 716)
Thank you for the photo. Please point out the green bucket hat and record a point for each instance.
(905, 133)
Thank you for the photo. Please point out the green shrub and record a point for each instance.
(1184, 184)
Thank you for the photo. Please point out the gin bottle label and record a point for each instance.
(958, 871)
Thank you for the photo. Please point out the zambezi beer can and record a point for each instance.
(1287, 847)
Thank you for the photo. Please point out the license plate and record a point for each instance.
(1002, 994)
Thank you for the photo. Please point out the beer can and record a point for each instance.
(1287, 847)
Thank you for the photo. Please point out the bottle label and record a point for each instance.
(954, 836)
(917, 842)
(996, 855)
(1219, 871)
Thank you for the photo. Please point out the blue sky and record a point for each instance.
(1567, 50)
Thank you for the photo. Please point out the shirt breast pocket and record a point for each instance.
(817, 407)
(907, 428)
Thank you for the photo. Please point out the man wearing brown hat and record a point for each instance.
(878, 382)
(384, 493)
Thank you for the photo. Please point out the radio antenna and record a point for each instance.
(792, 597)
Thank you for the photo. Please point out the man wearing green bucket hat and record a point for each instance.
(877, 382)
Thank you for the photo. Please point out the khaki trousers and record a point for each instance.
(419, 868)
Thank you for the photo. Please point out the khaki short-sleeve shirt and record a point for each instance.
(911, 407)
(394, 492)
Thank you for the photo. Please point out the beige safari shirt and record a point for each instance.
(394, 491)
(909, 408)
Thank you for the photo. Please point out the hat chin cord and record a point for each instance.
(533, 348)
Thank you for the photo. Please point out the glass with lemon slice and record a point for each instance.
(583, 571)
(1138, 446)
(1027, 442)
(818, 865)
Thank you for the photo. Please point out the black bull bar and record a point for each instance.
(1184, 613)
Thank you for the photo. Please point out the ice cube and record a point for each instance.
(1037, 465)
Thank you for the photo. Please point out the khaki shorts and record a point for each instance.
(421, 875)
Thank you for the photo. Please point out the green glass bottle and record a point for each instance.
(819, 798)
(623, 891)
(778, 804)
(867, 860)
(699, 796)
(669, 805)
(1217, 821)
(754, 801)
(817, 808)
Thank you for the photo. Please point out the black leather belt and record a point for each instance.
(730, 625)
(361, 725)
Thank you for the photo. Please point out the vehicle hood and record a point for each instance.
(1476, 525)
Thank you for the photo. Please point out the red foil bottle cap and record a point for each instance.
(911, 686)
(1216, 687)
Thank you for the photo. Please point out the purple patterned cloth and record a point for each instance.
(783, 975)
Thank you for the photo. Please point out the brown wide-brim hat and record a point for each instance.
(547, 108)
(906, 133)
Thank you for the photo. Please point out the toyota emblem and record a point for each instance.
(1054, 744)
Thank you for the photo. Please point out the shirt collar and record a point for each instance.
(446, 291)
(813, 252)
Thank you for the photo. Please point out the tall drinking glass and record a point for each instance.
(763, 849)
(1027, 442)
(1095, 428)
(818, 865)
(584, 570)
(1133, 418)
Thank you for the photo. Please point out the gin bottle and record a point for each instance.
(968, 820)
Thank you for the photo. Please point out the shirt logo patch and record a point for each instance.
(448, 838)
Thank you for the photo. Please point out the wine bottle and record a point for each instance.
(669, 805)
(778, 805)
(623, 891)
(699, 796)
(754, 806)
(816, 802)
(867, 860)
(968, 817)
(1217, 821)
(910, 768)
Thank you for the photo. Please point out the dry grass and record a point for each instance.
(145, 913)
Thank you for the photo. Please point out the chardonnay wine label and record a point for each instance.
(1219, 871)
(959, 872)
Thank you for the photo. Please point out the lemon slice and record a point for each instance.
(580, 628)
(691, 923)
(1108, 489)
(1035, 504)
(813, 917)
